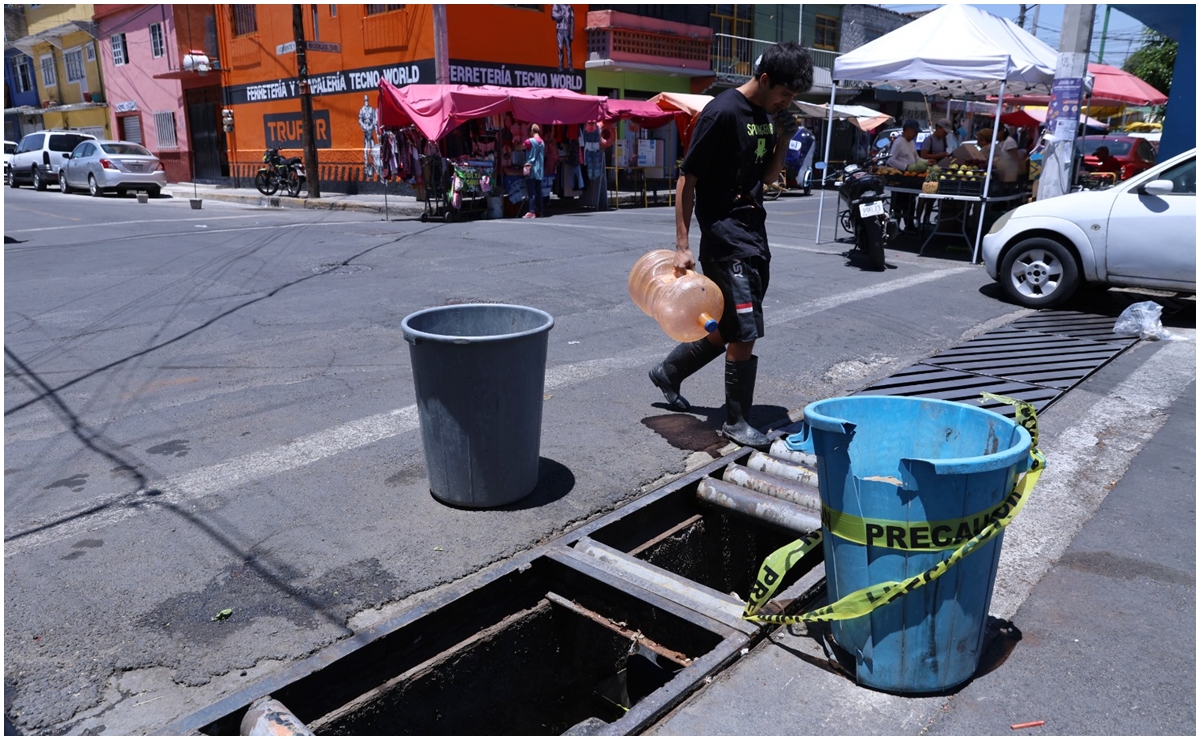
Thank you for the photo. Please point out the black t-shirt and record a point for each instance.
(732, 145)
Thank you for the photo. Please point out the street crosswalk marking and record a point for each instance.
(26, 535)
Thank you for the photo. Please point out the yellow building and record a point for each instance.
(62, 43)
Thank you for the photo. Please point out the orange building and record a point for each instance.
(350, 47)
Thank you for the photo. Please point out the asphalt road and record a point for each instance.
(210, 410)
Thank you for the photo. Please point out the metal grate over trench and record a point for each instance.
(1036, 359)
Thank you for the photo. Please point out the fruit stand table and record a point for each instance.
(963, 217)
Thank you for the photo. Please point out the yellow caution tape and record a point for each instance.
(866, 600)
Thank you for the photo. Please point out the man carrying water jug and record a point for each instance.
(738, 144)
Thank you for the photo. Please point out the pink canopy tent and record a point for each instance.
(438, 109)
(645, 113)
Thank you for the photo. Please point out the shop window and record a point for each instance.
(245, 19)
(24, 73)
(129, 128)
(49, 75)
(118, 49)
(377, 9)
(73, 60)
(164, 129)
(826, 33)
(157, 47)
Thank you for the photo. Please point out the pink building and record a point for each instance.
(156, 95)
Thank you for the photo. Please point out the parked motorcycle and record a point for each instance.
(279, 173)
(866, 213)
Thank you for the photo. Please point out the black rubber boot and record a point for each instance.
(684, 360)
(739, 396)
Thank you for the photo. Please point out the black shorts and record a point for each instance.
(743, 283)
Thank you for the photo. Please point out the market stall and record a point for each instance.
(471, 155)
(955, 51)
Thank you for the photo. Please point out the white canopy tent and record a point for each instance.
(955, 51)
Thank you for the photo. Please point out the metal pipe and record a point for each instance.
(780, 450)
(799, 472)
(676, 588)
(757, 506)
(780, 488)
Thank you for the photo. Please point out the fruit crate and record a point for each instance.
(954, 186)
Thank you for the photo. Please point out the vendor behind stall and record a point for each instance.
(903, 152)
(939, 146)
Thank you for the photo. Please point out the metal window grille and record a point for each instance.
(164, 129)
(118, 49)
(157, 47)
(130, 128)
(74, 63)
(24, 74)
(49, 76)
(245, 19)
(377, 9)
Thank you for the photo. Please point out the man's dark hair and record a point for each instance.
(911, 123)
(786, 64)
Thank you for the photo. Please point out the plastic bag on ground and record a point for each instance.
(1143, 319)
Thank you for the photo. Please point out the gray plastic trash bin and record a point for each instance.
(480, 371)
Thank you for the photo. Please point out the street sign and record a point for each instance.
(290, 47)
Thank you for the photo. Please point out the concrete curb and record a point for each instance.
(328, 204)
(398, 206)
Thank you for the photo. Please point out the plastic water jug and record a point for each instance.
(687, 307)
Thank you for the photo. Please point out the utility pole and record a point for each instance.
(1104, 33)
(1021, 16)
(306, 110)
(441, 46)
(1036, 9)
(1058, 171)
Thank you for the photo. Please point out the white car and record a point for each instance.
(10, 148)
(1140, 233)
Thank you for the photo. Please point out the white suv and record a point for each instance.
(39, 157)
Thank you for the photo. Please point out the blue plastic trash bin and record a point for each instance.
(912, 461)
(479, 371)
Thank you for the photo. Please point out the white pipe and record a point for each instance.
(825, 170)
(987, 180)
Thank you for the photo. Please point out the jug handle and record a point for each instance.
(801, 441)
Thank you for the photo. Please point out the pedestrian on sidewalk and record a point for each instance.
(738, 145)
(535, 161)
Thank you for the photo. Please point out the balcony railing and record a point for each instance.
(733, 59)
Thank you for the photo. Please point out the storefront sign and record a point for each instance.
(511, 75)
(334, 83)
(286, 130)
(126, 106)
(1062, 116)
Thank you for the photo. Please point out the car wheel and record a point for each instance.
(38, 183)
(62, 183)
(94, 187)
(1039, 273)
(12, 180)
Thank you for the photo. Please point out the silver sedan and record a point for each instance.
(99, 166)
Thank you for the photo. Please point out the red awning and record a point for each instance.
(1110, 87)
(438, 109)
(1020, 118)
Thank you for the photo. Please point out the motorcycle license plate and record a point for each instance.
(871, 209)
